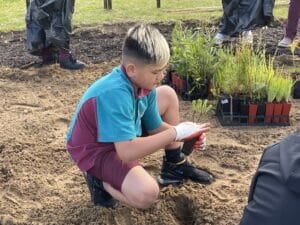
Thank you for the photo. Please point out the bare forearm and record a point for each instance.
(164, 126)
(143, 146)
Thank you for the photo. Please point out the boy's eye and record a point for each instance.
(159, 72)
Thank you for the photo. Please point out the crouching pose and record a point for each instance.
(125, 116)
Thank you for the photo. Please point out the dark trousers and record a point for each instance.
(293, 19)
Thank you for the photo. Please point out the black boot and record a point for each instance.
(173, 173)
(67, 61)
(98, 194)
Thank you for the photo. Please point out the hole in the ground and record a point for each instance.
(185, 210)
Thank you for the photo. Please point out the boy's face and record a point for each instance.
(146, 76)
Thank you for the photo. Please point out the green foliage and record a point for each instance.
(279, 87)
(280, 90)
(236, 72)
(192, 56)
(179, 59)
(287, 85)
(201, 108)
(248, 72)
(272, 89)
(224, 81)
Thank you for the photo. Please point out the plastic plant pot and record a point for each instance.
(269, 112)
(244, 110)
(225, 105)
(174, 78)
(286, 108)
(277, 112)
(260, 114)
(252, 113)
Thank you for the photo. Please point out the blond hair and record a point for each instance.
(145, 43)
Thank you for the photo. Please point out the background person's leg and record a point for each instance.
(293, 19)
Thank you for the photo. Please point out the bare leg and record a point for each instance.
(139, 189)
(168, 106)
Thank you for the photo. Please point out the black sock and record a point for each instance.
(174, 155)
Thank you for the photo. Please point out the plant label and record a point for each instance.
(224, 101)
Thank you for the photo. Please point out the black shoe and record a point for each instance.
(173, 173)
(68, 62)
(98, 194)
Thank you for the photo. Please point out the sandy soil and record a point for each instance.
(40, 185)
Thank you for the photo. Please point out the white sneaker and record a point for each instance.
(247, 37)
(285, 42)
(220, 38)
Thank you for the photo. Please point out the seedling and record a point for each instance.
(201, 108)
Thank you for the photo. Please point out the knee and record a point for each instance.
(167, 94)
(146, 196)
(167, 91)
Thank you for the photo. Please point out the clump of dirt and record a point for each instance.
(39, 184)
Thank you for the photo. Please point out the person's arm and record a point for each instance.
(143, 146)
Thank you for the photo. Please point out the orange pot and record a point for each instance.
(269, 112)
(286, 108)
(252, 113)
(277, 112)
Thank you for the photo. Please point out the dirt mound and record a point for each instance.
(39, 184)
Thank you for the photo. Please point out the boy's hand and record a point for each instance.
(200, 143)
(187, 130)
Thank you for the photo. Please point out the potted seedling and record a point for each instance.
(278, 98)
(180, 67)
(287, 85)
(193, 61)
(244, 78)
(179, 59)
(226, 84)
(260, 92)
(200, 63)
(272, 89)
(256, 82)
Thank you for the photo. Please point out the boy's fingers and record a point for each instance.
(204, 130)
(203, 125)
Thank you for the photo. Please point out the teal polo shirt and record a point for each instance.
(120, 112)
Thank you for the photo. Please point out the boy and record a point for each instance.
(105, 140)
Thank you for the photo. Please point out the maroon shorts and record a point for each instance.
(111, 169)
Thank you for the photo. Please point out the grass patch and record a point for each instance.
(91, 12)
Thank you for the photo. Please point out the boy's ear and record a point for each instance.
(130, 69)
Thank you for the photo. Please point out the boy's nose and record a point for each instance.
(161, 76)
